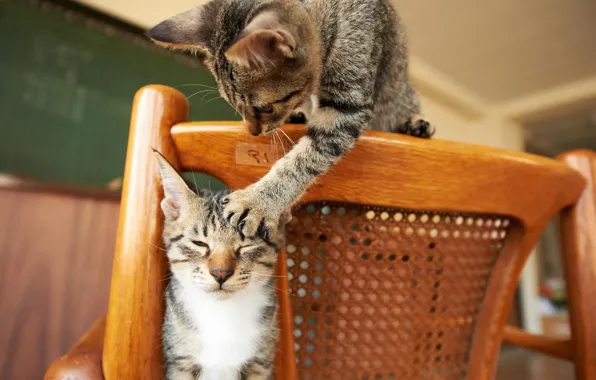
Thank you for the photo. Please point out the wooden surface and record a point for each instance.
(133, 332)
(56, 252)
(404, 172)
(514, 364)
(520, 364)
(285, 367)
(578, 232)
(559, 348)
(383, 170)
(83, 360)
(390, 170)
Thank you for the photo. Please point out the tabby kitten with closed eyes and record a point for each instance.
(342, 63)
(220, 321)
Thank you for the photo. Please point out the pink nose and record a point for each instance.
(253, 127)
(221, 275)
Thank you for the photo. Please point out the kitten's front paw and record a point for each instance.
(417, 128)
(250, 213)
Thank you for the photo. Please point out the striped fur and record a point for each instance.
(342, 63)
(215, 331)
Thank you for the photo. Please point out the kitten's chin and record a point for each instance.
(225, 292)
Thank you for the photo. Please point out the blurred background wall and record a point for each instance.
(513, 74)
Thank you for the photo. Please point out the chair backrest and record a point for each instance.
(401, 262)
(578, 232)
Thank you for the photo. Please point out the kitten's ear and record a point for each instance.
(264, 42)
(177, 196)
(285, 217)
(190, 31)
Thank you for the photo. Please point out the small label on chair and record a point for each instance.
(256, 154)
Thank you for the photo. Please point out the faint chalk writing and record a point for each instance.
(53, 86)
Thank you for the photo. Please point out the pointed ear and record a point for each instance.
(264, 42)
(190, 31)
(177, 196)
(285, 217)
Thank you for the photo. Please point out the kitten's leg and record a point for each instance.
(258, 369)
(416, 128)
(256, 210)
(409, 110)
(398, 111)
(182, 368)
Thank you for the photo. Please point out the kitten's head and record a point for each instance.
(265, 56)
(203, 249)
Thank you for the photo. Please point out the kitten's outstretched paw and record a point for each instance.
(418, 128)
(250, 213)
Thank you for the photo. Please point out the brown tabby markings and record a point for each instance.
(220, 321)
(342, 63)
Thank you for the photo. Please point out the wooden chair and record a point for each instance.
(401, 263)
(578, 233)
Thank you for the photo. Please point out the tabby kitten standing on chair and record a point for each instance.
(220, 321)
(342, 63)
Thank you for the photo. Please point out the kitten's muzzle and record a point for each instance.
(253, 127)
(221, 275)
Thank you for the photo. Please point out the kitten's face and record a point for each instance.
(267, 98)
(203, 250)
(267, 68)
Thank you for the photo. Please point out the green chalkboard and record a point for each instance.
(66, 87)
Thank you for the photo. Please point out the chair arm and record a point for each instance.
(549, 346)
(83, 360)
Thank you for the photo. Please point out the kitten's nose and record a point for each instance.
(253, 127)
(221, 275)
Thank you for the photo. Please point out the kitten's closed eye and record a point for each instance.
(201, 244)
(264, 109)
(247, 249)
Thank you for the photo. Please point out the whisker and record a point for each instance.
(217, 204)
(158, 247)
(235, 111)
(261, 296)
(266, 275)
(200, 92)
(210, 92)
(192, 172)
(274, 142)
(288, 137)
(195, 85)
(280, 141)
(210, 100)
(273, 287)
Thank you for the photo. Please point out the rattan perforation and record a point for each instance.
(387, 294)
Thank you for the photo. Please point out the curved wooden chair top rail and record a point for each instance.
(384, 170)
(391, 170)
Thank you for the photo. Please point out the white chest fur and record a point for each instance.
(229, 331)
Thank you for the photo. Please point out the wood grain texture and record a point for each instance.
(56, 251)
(578, 233)
(382, 170)
(559, 348)
(133, 331)
(83, 360)
(520, 364)
(403, 171)
(424, 175)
